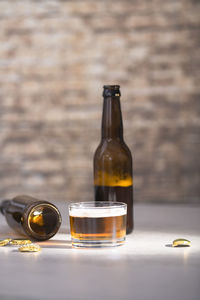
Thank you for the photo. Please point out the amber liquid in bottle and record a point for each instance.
(113, 175)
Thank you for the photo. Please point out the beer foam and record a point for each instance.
(97, 213)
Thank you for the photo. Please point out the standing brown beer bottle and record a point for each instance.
(113, 176)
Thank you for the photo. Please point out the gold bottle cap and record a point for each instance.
(20, 242)
(181, 243)
(29, 248)
(4, 242)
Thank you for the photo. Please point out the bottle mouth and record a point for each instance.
(111, 91)
(43, 221)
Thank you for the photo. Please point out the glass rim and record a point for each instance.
(99, 205)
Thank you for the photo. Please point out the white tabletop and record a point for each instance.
(146, 267)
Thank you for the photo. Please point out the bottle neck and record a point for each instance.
(112, 126)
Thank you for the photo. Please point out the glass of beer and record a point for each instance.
(97, 224)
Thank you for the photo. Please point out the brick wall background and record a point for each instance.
(55, 57)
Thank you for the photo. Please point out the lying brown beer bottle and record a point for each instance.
(113, 176)
(38, 219)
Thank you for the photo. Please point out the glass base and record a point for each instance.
(97, 244)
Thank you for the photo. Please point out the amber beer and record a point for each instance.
(113, 175)
(98, 225)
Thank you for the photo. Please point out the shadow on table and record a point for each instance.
(56, 244)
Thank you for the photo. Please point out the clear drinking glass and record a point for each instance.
(97, 224)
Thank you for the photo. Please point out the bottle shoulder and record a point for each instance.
(113, 148)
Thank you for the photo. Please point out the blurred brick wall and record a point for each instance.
(55, 57)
